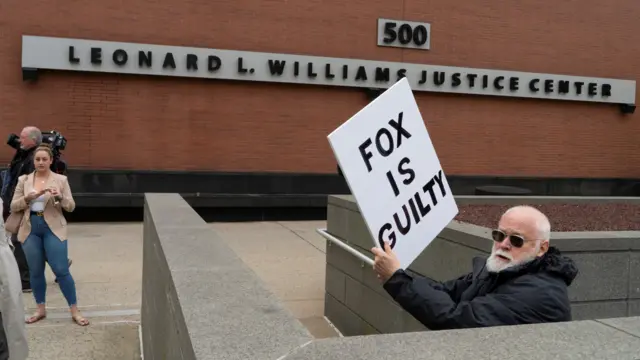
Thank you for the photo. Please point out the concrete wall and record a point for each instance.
(607, 286)
(200, 301)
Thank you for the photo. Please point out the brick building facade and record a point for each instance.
(129, 122)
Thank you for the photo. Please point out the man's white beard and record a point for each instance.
(496, 264)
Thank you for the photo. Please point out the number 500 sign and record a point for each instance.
(404, 34)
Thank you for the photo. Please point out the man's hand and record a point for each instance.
(386, 262)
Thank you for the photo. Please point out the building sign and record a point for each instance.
(145, 59)
(404, 34)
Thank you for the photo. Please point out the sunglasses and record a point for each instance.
(515, 240)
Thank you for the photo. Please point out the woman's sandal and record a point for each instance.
(35, 318)
(78, 319)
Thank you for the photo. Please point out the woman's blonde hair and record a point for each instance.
(46, 148)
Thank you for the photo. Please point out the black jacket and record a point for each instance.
(21, 164)
(531, 293)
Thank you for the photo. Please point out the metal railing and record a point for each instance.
(345, 246)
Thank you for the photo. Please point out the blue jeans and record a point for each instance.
(43, 244)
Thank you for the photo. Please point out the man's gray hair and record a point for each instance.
(542, 222)
(34, 134)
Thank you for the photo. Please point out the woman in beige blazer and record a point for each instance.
(42, 195)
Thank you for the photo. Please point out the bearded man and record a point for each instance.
(523, 281)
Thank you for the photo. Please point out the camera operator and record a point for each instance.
(21, 164)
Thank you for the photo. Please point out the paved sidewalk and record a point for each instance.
(289, 256)
(107, 268)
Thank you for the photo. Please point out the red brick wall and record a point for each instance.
(129, 122)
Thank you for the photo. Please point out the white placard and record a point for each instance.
(391, 167)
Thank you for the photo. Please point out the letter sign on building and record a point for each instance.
(404, 34)
(161, 60)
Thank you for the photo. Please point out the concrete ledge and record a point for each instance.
(199, 300)
(349, 200)
(514, 200)
(572, 340)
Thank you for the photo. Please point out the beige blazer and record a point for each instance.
(52, 213)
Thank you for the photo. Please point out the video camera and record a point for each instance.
(56, 140)
(53, 138)
(57, 143)
(14, 141)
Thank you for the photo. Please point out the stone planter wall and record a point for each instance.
(200, 301)
(607, 286)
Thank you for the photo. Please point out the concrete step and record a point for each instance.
(102, 340)
(112, 335)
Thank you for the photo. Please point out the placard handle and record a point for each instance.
(346, 247)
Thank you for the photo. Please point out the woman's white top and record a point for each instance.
(37, 205)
